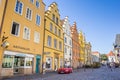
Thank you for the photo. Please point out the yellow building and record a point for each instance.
(88, 53)
(53, 42)
(82, 48)
(21, 36)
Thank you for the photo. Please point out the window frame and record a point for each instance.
(24, 35)
(28, 14)
(18, 29)
(37, 21)
(49, 41)
(37, 6)
(18, 8)
(36, 40)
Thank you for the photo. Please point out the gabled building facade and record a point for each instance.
(82, 48)
(75, 46)
(21, 36)
(111, 57)
(67, 42)
(53, 42)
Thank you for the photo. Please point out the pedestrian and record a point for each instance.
(112, 66)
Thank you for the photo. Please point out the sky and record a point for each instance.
(99, 20)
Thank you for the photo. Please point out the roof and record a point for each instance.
(110, 53)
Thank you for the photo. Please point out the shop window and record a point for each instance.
(28, 61)
(19, 61)
(48, 63)
(7, 61)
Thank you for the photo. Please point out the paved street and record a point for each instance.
(103, 73)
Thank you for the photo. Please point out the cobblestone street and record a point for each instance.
(81, 74)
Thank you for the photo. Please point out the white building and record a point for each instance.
(111, 57)
(95, 56)
(67, 42)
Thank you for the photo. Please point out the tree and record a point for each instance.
(104, 57)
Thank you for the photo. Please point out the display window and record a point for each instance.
(28, 61)
(49, 63)
(7, 61)
(19, 61)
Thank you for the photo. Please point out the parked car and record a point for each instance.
(65, 70)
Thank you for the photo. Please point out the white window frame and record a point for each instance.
(18, 29)
(19, 9)
(36, 4)
(29, 16)
(37, 21)
(32, 1)
(25, 36)
(36, 37)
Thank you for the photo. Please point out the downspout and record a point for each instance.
(43, 44)
(3, 17)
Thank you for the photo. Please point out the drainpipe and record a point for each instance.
(1, 27)
(4, 12)
(43, 44)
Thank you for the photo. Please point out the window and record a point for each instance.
(29, 14)
(49, 63)
(56, 20)
(7, 61)
(28, 61)
(38, 20)
(26, 33)
(49, 41)
(18, 7)
(37, 4)
(19, 61)
(36, 37)
(60, 45)
(59, 33)
(53, 17)
(65, 40)
(55, 30)
(70, 43)
(55, 43)
(51, 27)
(15, 29)
(32, 1)
(65, 50)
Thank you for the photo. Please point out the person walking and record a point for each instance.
(112, 66)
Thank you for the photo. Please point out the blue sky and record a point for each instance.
(98, 19)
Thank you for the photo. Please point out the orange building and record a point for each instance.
(76, 46)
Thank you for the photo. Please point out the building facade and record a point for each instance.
(116, 49)
(95, 56)
(21, 34)
(53, 42)
(88, 53)
(75, 47)
(82, 48)
(67, 42)
(111, 57)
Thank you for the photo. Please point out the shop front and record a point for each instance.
(17, 63)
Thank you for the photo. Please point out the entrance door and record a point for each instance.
(38, 64)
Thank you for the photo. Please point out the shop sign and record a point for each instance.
(20, 47)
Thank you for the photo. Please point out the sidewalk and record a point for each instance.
(39, 75)
(29, 77)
